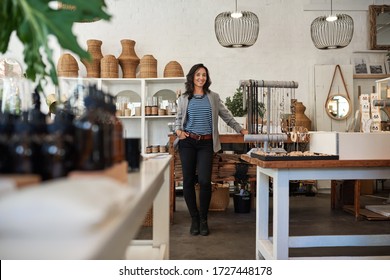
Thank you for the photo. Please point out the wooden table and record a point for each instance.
(277, 246)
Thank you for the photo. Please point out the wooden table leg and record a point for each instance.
(356, 199)
(333, 194)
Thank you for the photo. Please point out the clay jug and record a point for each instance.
(93, 67)
(300, 118)
(128, 59)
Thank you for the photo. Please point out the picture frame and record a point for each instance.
(361, 67)
(376, 68)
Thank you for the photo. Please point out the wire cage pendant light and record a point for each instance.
(236, 29)
(333, 31)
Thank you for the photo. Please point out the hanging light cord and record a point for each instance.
(331, 17)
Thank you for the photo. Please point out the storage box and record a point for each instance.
(351, 145)
(220, 197)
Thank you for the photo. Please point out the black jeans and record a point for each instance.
(196, 160)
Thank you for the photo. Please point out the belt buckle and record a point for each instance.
(198, 137)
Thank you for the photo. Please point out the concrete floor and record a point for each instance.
(232, 235)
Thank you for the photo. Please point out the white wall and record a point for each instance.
(183, 30)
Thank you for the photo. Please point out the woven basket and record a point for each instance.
(128, 59)
(173, 69)
(148, 220)
(220, 197)
(109, 67)
(93, 67)
(67, 66)
(148, 67)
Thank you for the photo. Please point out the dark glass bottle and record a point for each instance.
(58, 152)
(118, 145)
(6, 127)
(37, 121)
(107, 125)
(89, 136)
(21, 148)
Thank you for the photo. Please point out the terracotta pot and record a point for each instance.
(128, 59)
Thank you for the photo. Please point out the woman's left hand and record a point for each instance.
(244, 131)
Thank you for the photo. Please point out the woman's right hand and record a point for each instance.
(181, 134)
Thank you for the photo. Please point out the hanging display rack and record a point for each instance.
(278, 97)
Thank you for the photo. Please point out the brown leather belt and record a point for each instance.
(200, 137)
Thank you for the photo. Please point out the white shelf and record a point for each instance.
(129, 118)
(161, 117)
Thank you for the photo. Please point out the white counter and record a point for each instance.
(89, 218)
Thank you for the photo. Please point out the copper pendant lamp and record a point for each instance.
(236, 29)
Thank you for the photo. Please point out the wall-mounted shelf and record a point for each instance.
(371, 76)
(371, 51)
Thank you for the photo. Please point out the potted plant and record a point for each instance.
(235, 104)
(34, 21)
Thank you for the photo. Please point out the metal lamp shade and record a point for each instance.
(332, 34)
(236, 32)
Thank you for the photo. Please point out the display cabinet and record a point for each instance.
(152, 129)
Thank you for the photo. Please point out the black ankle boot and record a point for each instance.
(204, 228)
(194, 230)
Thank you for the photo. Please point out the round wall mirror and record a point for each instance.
(338, 107)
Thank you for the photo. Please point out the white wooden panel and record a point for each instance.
(323, 77)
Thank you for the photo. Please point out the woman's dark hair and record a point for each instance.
(190, 80)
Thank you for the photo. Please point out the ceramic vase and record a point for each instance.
(128, 59)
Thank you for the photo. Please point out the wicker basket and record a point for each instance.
(128, 59)
(148, 220)
(148, 67)
(173, 69)
(220, 196)
(67, 66)
(93, 67)
(109, 67)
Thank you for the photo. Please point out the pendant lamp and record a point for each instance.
(236, 29)
(333, 31)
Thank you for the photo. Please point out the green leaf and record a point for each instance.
(34, 21)
(235, 105)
